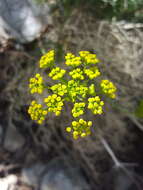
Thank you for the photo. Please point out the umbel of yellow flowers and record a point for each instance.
(76, 83)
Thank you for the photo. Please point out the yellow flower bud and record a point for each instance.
(68, 129)
(89, 123)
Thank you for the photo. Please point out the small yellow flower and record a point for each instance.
(108, 88)
(68, 129)
(47, 60)
(59, 89)
(92, 73)
(72, 60)
(36, 84)
(88, 58)
(77, 74)
(78, 109)
(37, 112)
(83, 135)
(89, 123)
(57, 73)
(54, 104)
(80, 128)
(95, 104)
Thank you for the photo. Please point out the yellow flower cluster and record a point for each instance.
(108, 88)
(77, 74)
(36, 112)
(92, 73)
(72, 60)
(78, 109)
(47, 60)
(75, 85)
(59, 89)
(54, 103)
(95, 104)
(88, 57)
(91, 89)
(57, 73)
(36, 84)
(83, 54)
(76, 90)
(80, 128)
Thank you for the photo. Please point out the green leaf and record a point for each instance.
(139, 110)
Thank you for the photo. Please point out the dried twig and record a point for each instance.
(120, 165)
(135, 121)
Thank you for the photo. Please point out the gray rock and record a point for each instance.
(13, 139)
(22, 20)
(54, 176)
(31, 175)
(59, 177)
(8, 183)
(123, 181)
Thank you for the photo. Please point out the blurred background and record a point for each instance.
(45, 157)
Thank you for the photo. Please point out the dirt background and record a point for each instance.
(119, 47)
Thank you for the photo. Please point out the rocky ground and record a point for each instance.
(44, 157)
